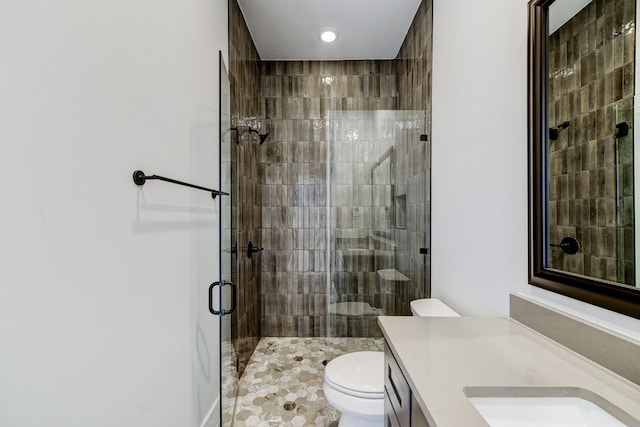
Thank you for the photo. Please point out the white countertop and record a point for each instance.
(442, 356)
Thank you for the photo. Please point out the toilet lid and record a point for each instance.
(431, 307)
(360, 373)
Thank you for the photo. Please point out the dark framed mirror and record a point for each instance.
(582, 225)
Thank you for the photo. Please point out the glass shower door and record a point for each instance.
(228, 257)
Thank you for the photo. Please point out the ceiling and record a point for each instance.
(367, 29)
(561, 11)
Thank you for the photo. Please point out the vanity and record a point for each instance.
(543, 367)
(400, 406)
(438, 369)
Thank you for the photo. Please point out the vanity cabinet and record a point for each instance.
(400, 406)
(427, 359)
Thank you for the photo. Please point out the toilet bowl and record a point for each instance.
(354, 385)
(354, 382)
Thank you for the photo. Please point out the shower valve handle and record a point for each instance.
(569, 245)
(252, 249)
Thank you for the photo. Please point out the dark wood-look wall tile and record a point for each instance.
(592, 86)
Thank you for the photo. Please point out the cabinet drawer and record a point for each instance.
(397, 388)
(390, 419)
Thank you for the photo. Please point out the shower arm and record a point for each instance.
(554, 132)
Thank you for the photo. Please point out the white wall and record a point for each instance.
(479, 162)
(98, 278)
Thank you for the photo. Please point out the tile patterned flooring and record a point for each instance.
(282, 383)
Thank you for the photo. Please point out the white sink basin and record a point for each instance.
(564, 407)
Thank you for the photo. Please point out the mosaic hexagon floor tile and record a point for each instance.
(282, 383)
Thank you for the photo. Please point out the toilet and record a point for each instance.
(431, 307)
(354, 382)
(354, 385)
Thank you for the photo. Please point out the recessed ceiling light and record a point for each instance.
(328, 35)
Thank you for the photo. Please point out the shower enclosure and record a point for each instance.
(378, 210)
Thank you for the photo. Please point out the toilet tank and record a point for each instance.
(431, 307)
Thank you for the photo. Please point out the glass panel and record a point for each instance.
(622, 174)
(205, 241)
(378, 205)
(228, 354)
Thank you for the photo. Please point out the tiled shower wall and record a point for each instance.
(298, 97)
(413, 64)
(413, 157)
(591, 75)
(244, 73)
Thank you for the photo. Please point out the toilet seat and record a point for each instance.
(357, 374)
(355, 393)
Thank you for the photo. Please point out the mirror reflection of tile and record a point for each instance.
(591, 88)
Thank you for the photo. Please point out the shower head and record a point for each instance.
(263, 136)
(554, 132)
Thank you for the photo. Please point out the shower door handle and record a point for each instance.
(211, 309)
(234, 298)
(424, 251)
